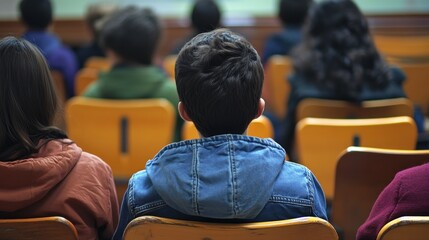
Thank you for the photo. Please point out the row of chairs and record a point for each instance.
(326, 128)
(126, 133)
(89, 126)
(157, 228)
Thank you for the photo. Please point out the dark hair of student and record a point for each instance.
(219, 79)
(337, 51)
(36, 14)
(205, 15)
(28, 101)
(293, 12)
(133, 33)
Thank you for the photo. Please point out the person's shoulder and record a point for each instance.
(414, 173)
(296, 168)
(296, 180)
(297, 173)
(94, 162)
(397, 75)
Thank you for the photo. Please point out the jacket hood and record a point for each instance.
(126, 82)
(225, 176)
(28, 180)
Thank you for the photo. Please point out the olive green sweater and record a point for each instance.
(134, 82)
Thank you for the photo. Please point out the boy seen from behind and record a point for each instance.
(130, 37)
(225, 176)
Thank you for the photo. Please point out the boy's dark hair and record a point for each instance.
(133, 33)
(36, 14)
(293, 12)
(219, 79)
(205, 15)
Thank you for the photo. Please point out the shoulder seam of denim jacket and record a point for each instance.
(195, 182)
(293, 201)
(131, 204)
(235, 206)
(152, 206)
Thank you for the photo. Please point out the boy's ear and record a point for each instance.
(261, 107)
(182, 112)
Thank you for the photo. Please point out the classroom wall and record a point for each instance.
(65, 9)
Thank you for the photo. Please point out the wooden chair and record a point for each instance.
(168, 64)
(52, 228)
(416, 84)
(323, 108)
(403, 46)
(260, 127)
(320, 141)
(156, 228)
(84, 78)
(98, 63)
(408, 227)
(277, 69)
(61, 91)
(124, 133)
(361, 175)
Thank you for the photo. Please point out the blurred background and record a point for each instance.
(255, 19)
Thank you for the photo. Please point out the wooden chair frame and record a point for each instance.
(407, 227)
(157, 228)
(323, 108)
(361, 175)
(260, 127)
(276, 86)
(52, 228)
(320, 141)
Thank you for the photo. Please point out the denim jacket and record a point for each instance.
(224, 178)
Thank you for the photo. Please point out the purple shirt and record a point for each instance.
(58, 56)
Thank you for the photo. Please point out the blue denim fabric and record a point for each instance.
(225, 178)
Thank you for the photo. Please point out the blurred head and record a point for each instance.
(132, 34)
(28, 101)
(36, 14)
(337, 51)
(293, 12)
(95, 13)
(219, 80)
(205, 15)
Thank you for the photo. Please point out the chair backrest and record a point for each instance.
(168, 64)
(124, 133)
(84, 78)
(260, 127)
(52, 228)
(361, 175)
(277, 69)
(407, 227)
(156, 228)
(98, 63)
(416, 84)
(320, 141)
(405, 46)
(323, 108)
(60, 88)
